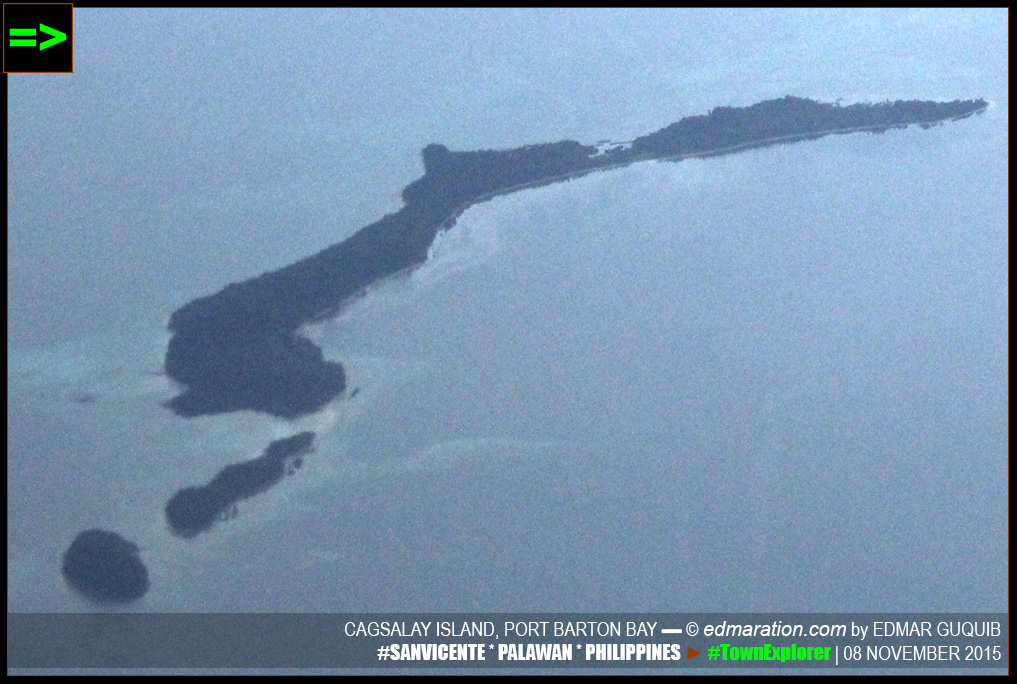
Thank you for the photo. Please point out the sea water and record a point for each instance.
(770, 381)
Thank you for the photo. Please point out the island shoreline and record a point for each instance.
(242, 348)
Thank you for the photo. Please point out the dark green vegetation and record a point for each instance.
(793, 117)
(195, 509)
(105, 567)
(240, 348)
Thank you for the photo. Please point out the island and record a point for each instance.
(104, 567)
(241, 348)
(195, 509)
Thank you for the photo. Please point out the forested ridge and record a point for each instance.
(239, 348)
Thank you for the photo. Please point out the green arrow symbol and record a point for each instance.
(23, 42)
(58, 36)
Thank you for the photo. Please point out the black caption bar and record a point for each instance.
(494, 640)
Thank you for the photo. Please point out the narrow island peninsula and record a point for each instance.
(193, 510)
(240, 349)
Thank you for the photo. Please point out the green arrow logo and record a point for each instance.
(58, 37)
